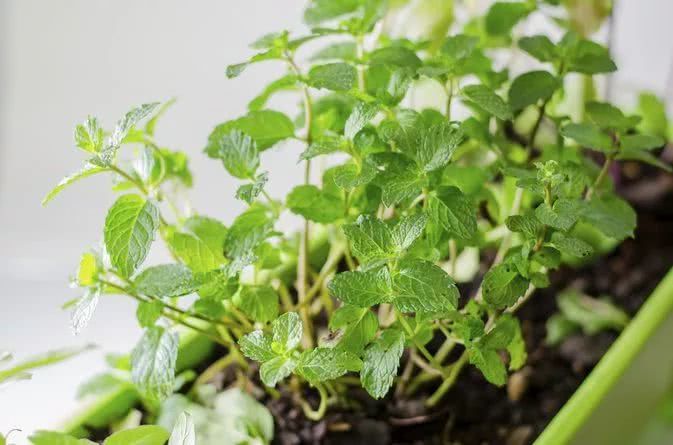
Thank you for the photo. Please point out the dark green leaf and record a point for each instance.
(539, 47)
(588, 135)
(362, 289)
(612, 216)
(370, 238)
(530, 88)
(453, 211)
(488, 101)
(322, 364)
(503, 285)
(380, 362)
(502, 16)
(422, 287)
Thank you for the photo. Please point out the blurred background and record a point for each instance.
(62, 60)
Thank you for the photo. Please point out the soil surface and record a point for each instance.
(475, 412)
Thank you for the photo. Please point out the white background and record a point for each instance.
(61, 60)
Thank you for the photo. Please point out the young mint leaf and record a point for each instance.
(89, 135)
(88, 269)
(287, 330)
(85, 172)
(370, 238)
(276, 369)
(530, 88)
(490, 364)
(237, 69)
(350, 175)
(142, 435)
(250, 192)
(571, 246)
(503, 285)
(358, 327)
(591, 314)
(257, 346)
(424, 288)
(359, 118)
(238, 153)
(265, 127)
(84, 309)
(323, 364)
(362, 289)
(124, 125)
(502, 16)
(439, 144)
(408, 229)
(380, 362)
(149, 312)
(611, 215)
(248, 231)
(336, 76)
(487, 100)
(315, 204)
(539, 47)
(453, 211)
(166, 280)
(130, 226)
(516, 347)
(260, 303)
(153, 363)
(501, 335)
(562, 215)
(588, 135)
(183, 432)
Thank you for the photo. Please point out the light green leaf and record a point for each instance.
(606, 115)
(611, 215)
(18, 371)
(439, 144)
(142, 435)
(315, 204)
(558, 329)
(358, 327)
(539, 47)
(265, 127)
(399, 178)
(322, 364)
(349, 176)
(502, 16)
(337, 76)
(589, 57)
(124, 125)
(248, 231)
(562, 215)
(129, 231)
(83, 310)
(453, 211)
(323, 146)
(257, 346)
(487, 100)
(153, 363)
(85, 172)
(395, 55)
(89, 135)
(503, 285)
(55, 438)
(653, 111)
(588, 135)
(362, 289)
(195, 252)
(250, 192)
(591, 314)
(530, 88)
(422, 287)
(183, 431)
(260, 303)
(408, 229)
(149, 312)
(276, 369)
(370, 238)
(380, 362)
(285, 83)
(490, 364)
(641, 142)
(238, 153)
(359, 118)
(166, 280)
(287, 330)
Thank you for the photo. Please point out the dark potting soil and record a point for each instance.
(474, 412)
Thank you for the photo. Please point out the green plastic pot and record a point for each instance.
(612, 406)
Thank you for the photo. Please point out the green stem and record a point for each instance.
(448, 381)
(421, 348)
(601, 176)
(318, 414)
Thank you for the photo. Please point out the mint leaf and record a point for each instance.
(183, 431)
(488, 101)
(453, 211)
(260, 303)
(200, 247)
(124, 125)
(370, 238)
(250, 192)
(166, 280)
(380, 362)
(439, 144)
(346, 51)
(336, 76)
(641, 142)
(588, 135)
(85, 172)
(571, 246)
(320, 11)
(408, 229)
(424, 288)
(358, 327)
(526, 224)
(248, 231)
(142, 435)
(129, 231)
(89, 135)
(606, 116)
(539, 47)
(153, 363)
(562, 215)
(265, 127)
(83, 310)
(590, 58)
(55, 438)
(323, 364)
(238, 153)
(257, 346)
(287, 330)
(351, 175)
(490, 364)
(459, 46)
(315, 204)
(503, 285)
(276, 369)
(612, 216)
(531, 88)
(285, 83)
(362, 289)
(323, 146)
(591, 314)
(149, 312)
(399, 178)
(359, 118)
(502, 16)
(395, 55)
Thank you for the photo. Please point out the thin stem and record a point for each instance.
(421, 348)
(454, 372)
(453, 256)
(601, 176)
(318, 414)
